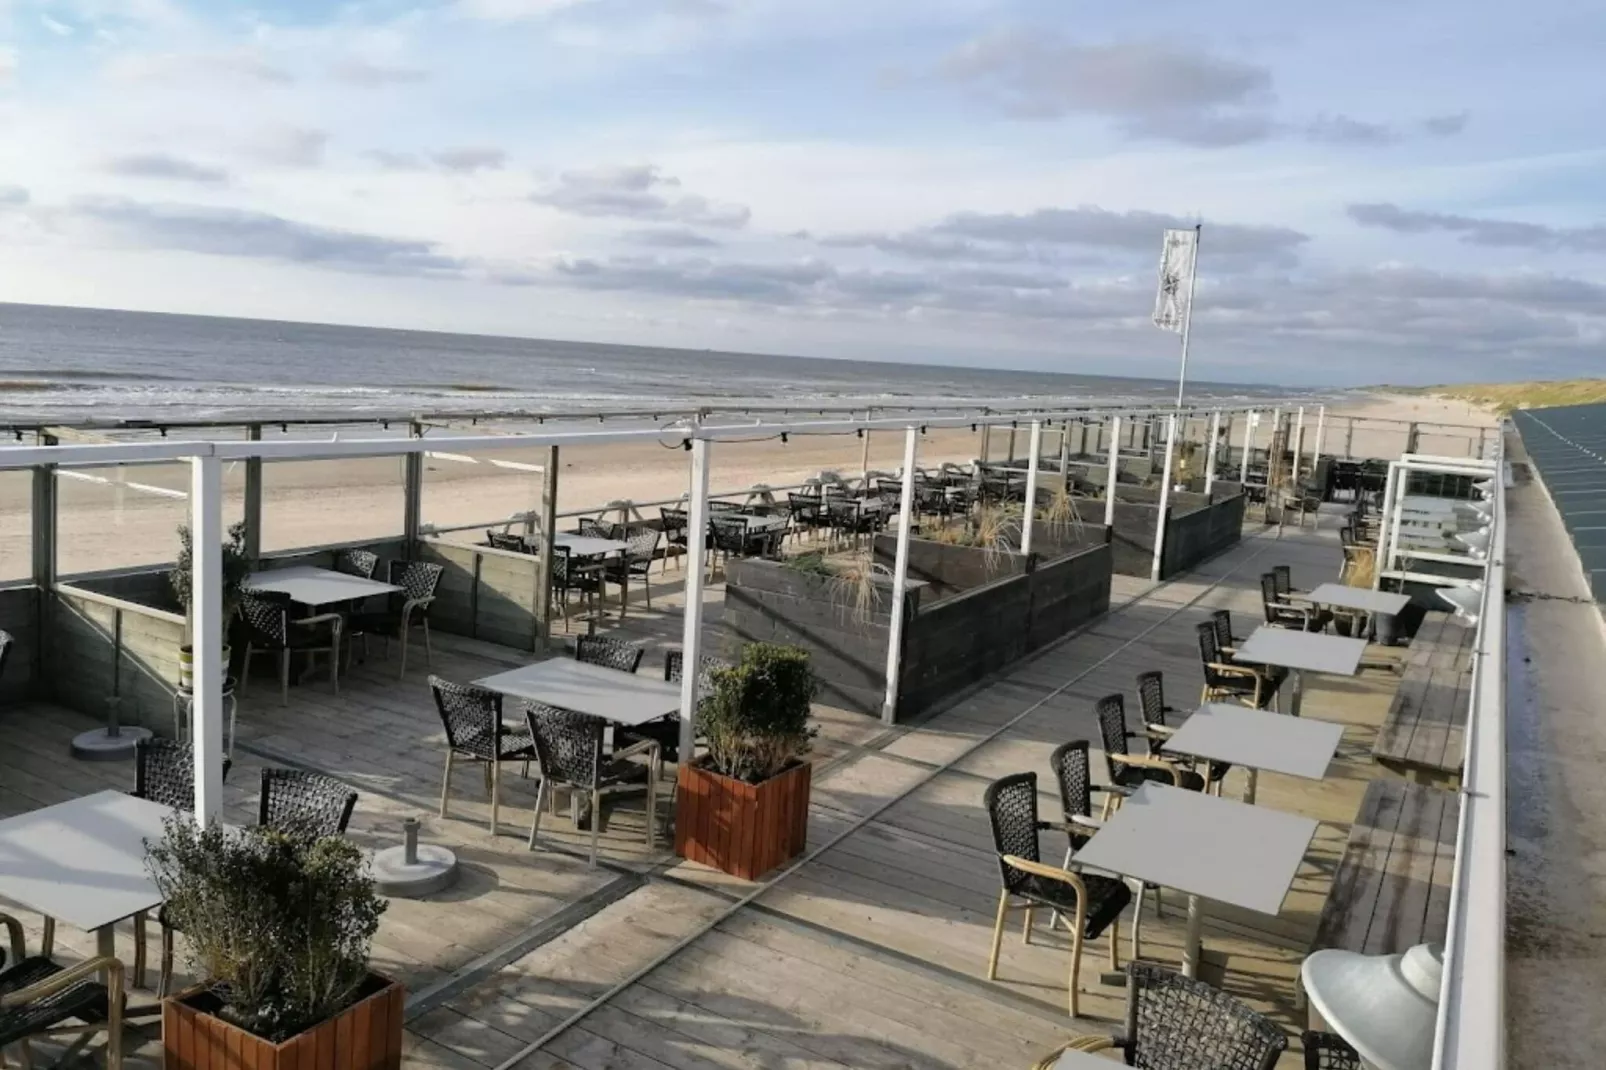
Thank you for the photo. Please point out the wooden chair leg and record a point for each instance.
(596, 822)
(402, 639)
(446, 780)
(1026, 928)
(496, 792)
(139, 948)
(429, 652)
(541, 796)
(284, 677)
(1115, 944)
(1076, 962)
(998, 934)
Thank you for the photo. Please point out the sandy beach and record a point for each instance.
(108, 525)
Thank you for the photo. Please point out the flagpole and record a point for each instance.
(1187, 316)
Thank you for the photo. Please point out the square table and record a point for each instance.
(591, 546)
(1302, 652)
(1221, 849)
(315, 587)
(757, 523)
(1364, 599)
(622, 698)
(1256, 740)
(83, 861)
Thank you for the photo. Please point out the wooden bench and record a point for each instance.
(1391, 890)
(1423, 736)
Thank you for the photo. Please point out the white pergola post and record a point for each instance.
(1115, 458)
(900, 575)
(1249, 441)
(1321, 428)
(1031, 489)
(1165, 495)
(1384, 522)
(1210, 454)
(691, 637)
(206, 636)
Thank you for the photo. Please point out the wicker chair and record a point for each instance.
(1127, 770)
(568, 749)
(675, 524)
(609, 653)
(1073, 773)
(807, 513)
(1328, 1051)
(1221, 620)
(1233, 681)
(666, 730)
(302, 803)
(357, 563)
(406, 610)
(505, 540)
(1175, 1023)
(472, 718)
(1152, 706)
(39, 998)
(568, 577)
(1093, 902)
(1283, 577)
(637, 560)
(270, 630)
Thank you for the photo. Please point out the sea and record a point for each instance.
(66, 365)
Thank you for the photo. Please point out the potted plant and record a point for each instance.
(277, 928)
(236, 570)
(744, 806)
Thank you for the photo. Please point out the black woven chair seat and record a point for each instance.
(1106, 898)
(85, 1000)
(516, 741)
(1132, 776)
(664, 732)
(616, 771)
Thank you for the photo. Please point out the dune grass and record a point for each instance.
(1504, 397)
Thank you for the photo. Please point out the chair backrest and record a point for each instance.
(1111, 713)
(730, 534)
(357, 563)
(266, 615)
(1070, 765)
(1151, 697)
(417, 579)
(560, 566)
(1011, 803)
(471, 716)
(1268, 595)
(674, 520)
(716, 505)
(6, 643)
(1221, 621)
(1175, 1023)
(608, 652)
(164, 772)
(803, 507)
(1328, 1051)
(300, 802)
(568, 745)
(505, 540)
(674, 665)
(1283, 578)
(1209, 649)
(643, 542)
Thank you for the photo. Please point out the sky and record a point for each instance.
(1389, 193)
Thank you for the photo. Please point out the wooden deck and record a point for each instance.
(870, 954)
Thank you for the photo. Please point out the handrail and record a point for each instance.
(1471, 1027)
(117, 603)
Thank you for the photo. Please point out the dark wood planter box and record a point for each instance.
(744, 829)
(365, 1036)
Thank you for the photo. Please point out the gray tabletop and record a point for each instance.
(586, 546)
(1258, 739)
(1363, 598)
(309, 586)
(1305, 651)
(1081, 1060)
(763, 523)
(621, 697)
(82, 862)
(1220, 849)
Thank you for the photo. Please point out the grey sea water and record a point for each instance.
(70, 363)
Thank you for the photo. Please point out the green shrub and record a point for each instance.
(278, 927)
(236, 569)
(756, 714)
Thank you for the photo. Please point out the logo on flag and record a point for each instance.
(1176, 279)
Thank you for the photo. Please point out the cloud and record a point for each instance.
(161, 166)
(240, 66)
(1504, 233)
(8, 64)
(515, 10)
(670, 238)
(1135, 230)
(261, 236)
(395, 161)
(360, 72)
(1445, 125)
(637, 191)
(468, 159)
(13, 197)
(919, 245)
(1343, 130)
(55, 26)
(289, 146)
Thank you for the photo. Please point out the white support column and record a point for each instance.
(1165, 495)
(1210, 452)
(1115, 458)
(206, 637)
(1388, 537)
(1031, 488)
(1299, 443)
(1249, 442)
(691, 639)
(900, 576)
(1321, 428)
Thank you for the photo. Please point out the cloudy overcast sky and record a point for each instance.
(1390, 192)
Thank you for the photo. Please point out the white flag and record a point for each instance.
(1176, 279)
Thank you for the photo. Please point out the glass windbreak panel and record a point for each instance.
(16, 525)
(316, 503)
(483, 489)
(119, 517)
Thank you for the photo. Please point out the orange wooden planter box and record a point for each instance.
(744, 829)
(365, 1036)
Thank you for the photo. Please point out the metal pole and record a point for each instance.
(1065, 449)
(1249, 441)
(1396, 521)
(412, 493)
(1349, 438)
(1031, 489)
(1210, 454)
(691, 639)
(549, 539)
(1011, 458)
(1109, 486)
(864, 455)
(1187, 320)
(1299, 442)
(1165, 495)
(252, 510)
(900, 573)
(1383, 524)
(206, 637)
(1321, 429)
